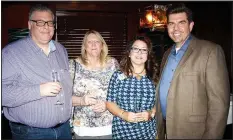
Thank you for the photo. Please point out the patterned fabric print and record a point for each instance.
(132, 95)
(92, 82)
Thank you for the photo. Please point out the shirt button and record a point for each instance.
(61, 95)
(61, 108)
(60, 121)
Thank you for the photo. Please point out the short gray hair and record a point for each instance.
(40, 8)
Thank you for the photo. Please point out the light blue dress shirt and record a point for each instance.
(168, 72)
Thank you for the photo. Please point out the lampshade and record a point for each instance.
(154, 17)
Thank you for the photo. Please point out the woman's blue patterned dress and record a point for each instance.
(132, 95)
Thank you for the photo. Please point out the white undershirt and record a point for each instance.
(177, 49)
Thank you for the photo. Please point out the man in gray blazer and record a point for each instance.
(193, 91)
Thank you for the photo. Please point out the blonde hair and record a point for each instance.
(103, 53)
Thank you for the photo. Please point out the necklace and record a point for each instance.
(138, 75)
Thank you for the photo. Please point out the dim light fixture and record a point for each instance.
(154, 17)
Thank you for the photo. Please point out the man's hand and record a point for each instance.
(50, 89)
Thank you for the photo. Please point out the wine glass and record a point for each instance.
(137, 107)
(56, 79)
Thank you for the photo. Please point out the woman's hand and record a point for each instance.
(136, 117)
(83, 101)
(100, 106)
(143, 116)
(88, 100)
(129, 116)
(146, 115)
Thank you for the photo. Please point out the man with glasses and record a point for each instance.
(29, 94)
(193, 92)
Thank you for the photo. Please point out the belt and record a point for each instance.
(165, 129)
(20, 124)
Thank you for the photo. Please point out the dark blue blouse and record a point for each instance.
(132, 95)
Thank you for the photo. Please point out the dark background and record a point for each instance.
(213, 21)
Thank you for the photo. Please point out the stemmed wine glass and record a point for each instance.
(55, 78)
(137, 107)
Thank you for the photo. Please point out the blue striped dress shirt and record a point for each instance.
(24, 67)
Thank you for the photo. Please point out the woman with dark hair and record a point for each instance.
(131, 93)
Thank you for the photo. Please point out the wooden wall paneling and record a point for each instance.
(12, 18)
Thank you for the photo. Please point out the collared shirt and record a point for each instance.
(24, 67)
(51, 46)
(168, 72)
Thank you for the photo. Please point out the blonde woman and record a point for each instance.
(91, 73)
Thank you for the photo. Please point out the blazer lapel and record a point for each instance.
(185, 57)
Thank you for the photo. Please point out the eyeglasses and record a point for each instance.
(96, 42)
(136, 50)
(42, 23)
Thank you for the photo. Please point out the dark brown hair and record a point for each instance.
(179, 8)
(151, 68)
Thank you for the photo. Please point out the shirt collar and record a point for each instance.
(52, 47)
(37, 49)
(183, 47)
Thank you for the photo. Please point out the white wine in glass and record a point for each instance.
(56, 79)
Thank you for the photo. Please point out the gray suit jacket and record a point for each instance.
(198, 97)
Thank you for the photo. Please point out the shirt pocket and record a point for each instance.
(197, 118)
(18, 129)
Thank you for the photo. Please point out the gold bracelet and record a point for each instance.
(121, 114)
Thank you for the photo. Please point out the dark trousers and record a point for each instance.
(21, 131)
(165, 129)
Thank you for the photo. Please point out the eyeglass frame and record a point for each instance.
(45, 22)
(97, 42)
(136, 50)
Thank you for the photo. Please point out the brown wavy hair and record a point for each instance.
(151, 68)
